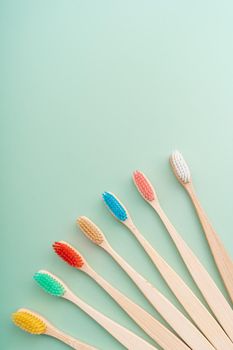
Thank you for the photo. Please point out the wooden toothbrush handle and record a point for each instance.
(182, 326)
(196, 310)
(130, 340)
(205, 283)
(221, 256)
(165, 338)
(72, 342)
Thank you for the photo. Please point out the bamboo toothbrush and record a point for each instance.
(34, 323)
(221, 257)
(166, 339)
(56, 287)
(182, 326)
(205, 283)
(196, 310)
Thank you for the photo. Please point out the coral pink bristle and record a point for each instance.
(68, 254)
(144, 186)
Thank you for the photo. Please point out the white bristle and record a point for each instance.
(180, 166)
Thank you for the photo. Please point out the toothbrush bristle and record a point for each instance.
(144, 186)
(49, 283)
(90, 230)
(29, 322)
(69, 254)
(114, 205)
(180, 167)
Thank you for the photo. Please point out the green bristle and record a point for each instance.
(49, 284)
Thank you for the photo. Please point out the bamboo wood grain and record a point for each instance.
(205, 283)
(164, 337)
(196, 310)
(182, 326)
(127, 338)
(72, 342)
(222, 259)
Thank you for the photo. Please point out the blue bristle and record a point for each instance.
(115, 206)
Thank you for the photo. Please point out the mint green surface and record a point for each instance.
(91, 91)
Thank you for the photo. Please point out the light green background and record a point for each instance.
(90, 91)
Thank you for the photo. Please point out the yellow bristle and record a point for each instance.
(29, 322)
(90, 230)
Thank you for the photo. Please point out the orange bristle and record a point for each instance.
(68, 254)
(144, 186)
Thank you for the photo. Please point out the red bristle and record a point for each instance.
(144, 186)
(68, 254)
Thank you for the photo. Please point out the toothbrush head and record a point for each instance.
(29, 321)
(69, 254)
(90, 230)
(50, 283)
(144, 186)
(180, 168)
(115, 206)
